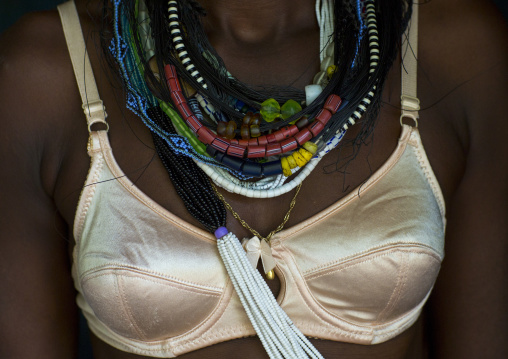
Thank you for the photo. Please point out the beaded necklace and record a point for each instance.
(281, 141)
(224, 152)
(279, 336)
(258, 147)
(225, 149)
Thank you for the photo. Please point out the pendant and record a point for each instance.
(256, 249)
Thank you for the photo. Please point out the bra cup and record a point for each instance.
(142, 306)
(154, 285)
(376, 288)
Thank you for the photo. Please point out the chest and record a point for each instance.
(131, 252)
(339, 173)
(343, 172)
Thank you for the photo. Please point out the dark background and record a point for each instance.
(11, 11)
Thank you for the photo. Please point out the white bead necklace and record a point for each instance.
(277, 187)
(274, 185)
(279, 336)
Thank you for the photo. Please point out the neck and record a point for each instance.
(246, 22)
(265, 41)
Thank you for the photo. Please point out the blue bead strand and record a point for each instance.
(138, 103)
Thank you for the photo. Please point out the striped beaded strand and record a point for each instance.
(279, 336)
(330, 145)
(176, 37)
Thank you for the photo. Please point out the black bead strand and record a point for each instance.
(190, 182)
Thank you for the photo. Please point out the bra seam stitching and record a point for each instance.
(239, 327)
(180, 340)
(394, 298)
(87, 194)
(362, 262)
(351, 333)
(372, 328)
(429, 174)
(89, 272)
(382, 248)
(127, 308)
(367, 335)
(384, 332)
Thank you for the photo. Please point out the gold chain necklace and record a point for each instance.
(246, 225)
(269, 275)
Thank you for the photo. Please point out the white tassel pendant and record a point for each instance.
(279, 336)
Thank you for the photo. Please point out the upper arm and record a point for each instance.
(37, 310)
(470, 300)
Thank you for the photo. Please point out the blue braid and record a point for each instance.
(139, 97)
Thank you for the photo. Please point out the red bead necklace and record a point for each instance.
(283, 140)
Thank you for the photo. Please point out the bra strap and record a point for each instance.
(409, 101)
(92, 104)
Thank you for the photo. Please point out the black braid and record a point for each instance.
(353, 83)
(191, 183)
(350, 82)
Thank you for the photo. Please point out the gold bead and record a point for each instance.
(291, 161)
(270, 275)
(286, 170)
(299, 159)
(306, 154)
(311, 147)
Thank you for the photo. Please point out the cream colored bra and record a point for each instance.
(151, 284)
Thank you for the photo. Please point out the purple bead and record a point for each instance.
(221, 232)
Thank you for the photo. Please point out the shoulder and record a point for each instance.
(464, 60)
(34, 65)
(33, 51)
(462, 71)
(38, 93)
(457, 23)
(465, 42)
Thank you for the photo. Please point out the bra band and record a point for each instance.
(92, 104)
(409, 101)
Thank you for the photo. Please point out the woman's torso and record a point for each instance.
(133, 149)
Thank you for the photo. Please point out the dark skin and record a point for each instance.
(463, 85)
